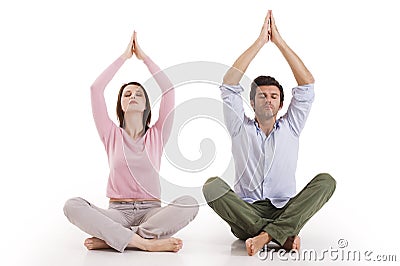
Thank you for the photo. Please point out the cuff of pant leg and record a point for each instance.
(275, 233)
(122, 247)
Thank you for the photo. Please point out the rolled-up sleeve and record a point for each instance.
(233, 107)
(300, 106)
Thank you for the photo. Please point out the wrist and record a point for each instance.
(144, 57)
(280, 43)
(124, 56)
(259, 43)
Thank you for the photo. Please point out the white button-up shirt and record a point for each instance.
(265, 166)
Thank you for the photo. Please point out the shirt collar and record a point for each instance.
(276, 126)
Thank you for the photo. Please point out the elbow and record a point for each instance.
(311, 80)
(95, 88)
(226, 81)
(230, 81)
(307, 80)
(232, 77)
(92, 88)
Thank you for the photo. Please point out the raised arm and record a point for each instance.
(300, 72)
(234, 114)
(303, 94)
(236, 72)
(167, 103)
(99, 108)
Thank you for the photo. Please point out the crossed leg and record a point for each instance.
(248, 220)
(108, 224)
(168, 244)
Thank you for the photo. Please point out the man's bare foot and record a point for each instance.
(95, 243)
(169, 244)
(254, 244)
(292, 243)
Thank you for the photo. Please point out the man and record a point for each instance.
(265, 207)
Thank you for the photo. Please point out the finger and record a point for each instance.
(272, 19)
(267, 17)
(130, 44)
(266, 23)
(130, 41)
(133, 33)
(264, 28)
(136, 41)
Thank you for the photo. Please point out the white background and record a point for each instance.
(51, 52)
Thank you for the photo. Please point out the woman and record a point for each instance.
(135, 217)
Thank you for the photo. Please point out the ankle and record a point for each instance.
(267, 237)
(138, 242)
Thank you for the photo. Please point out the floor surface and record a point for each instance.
(207, 241)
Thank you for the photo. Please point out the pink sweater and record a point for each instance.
(134, 164)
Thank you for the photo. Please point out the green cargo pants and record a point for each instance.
(249, 219)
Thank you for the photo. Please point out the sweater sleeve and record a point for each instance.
(166, 113)
(99, 108)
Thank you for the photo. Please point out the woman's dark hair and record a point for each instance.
(265, 81)
(146, 113)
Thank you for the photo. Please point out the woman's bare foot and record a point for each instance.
(254, 244)
(169, 244)
(95, 243)
(292, 243)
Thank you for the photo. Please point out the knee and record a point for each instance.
(211, 179)
(186, 201)
(208, 185)
(327, 182)
(73, 203)
(189, 204)
(212, 188)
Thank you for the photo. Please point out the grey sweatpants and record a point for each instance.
(117, 224)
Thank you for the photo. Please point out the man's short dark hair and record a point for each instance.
(265, 81)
